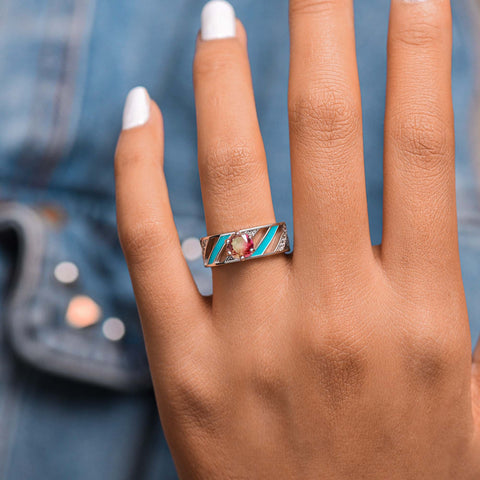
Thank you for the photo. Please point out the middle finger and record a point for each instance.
(329, 195)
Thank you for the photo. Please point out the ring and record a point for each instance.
(247, 244)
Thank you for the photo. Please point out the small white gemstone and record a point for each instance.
(66, 272)
(192, 250)
(113, 329)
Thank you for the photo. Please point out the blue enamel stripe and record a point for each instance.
(218, 246)
(260, 250)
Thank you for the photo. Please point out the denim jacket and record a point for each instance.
(75, 403)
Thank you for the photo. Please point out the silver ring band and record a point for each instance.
(246, 244)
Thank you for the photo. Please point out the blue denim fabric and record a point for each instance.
(65, 69)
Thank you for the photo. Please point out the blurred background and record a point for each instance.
(75, 391)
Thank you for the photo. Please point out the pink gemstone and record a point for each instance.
(240, 245)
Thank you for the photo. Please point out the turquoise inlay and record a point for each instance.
(218, 246)
(260, 250)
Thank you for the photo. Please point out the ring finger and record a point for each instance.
(233, 169)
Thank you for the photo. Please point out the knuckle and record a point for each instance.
(430, 358)
(425, 139)
(330, 115)
(266, 376)
(141, 241)
(420, 33)
(312, 6)
(195, 399)
(339, 364)
(136, 149)
(212, 60)
(125, 161)
(226, 164)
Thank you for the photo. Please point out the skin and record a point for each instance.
(353, 363)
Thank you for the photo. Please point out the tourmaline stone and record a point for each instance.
(240, 245)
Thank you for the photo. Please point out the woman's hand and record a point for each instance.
(341, 361)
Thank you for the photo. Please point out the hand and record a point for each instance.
(343, 360)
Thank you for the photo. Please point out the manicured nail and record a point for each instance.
(137, 108)
(218, 20)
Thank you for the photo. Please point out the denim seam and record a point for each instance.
(27, 163)
(63, 84)
(65, 92)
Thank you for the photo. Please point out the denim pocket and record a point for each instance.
(63, 314)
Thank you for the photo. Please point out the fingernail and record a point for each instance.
(218, 20)
(137, 108)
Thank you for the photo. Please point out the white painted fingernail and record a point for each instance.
(218, 20)
(137, 108)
